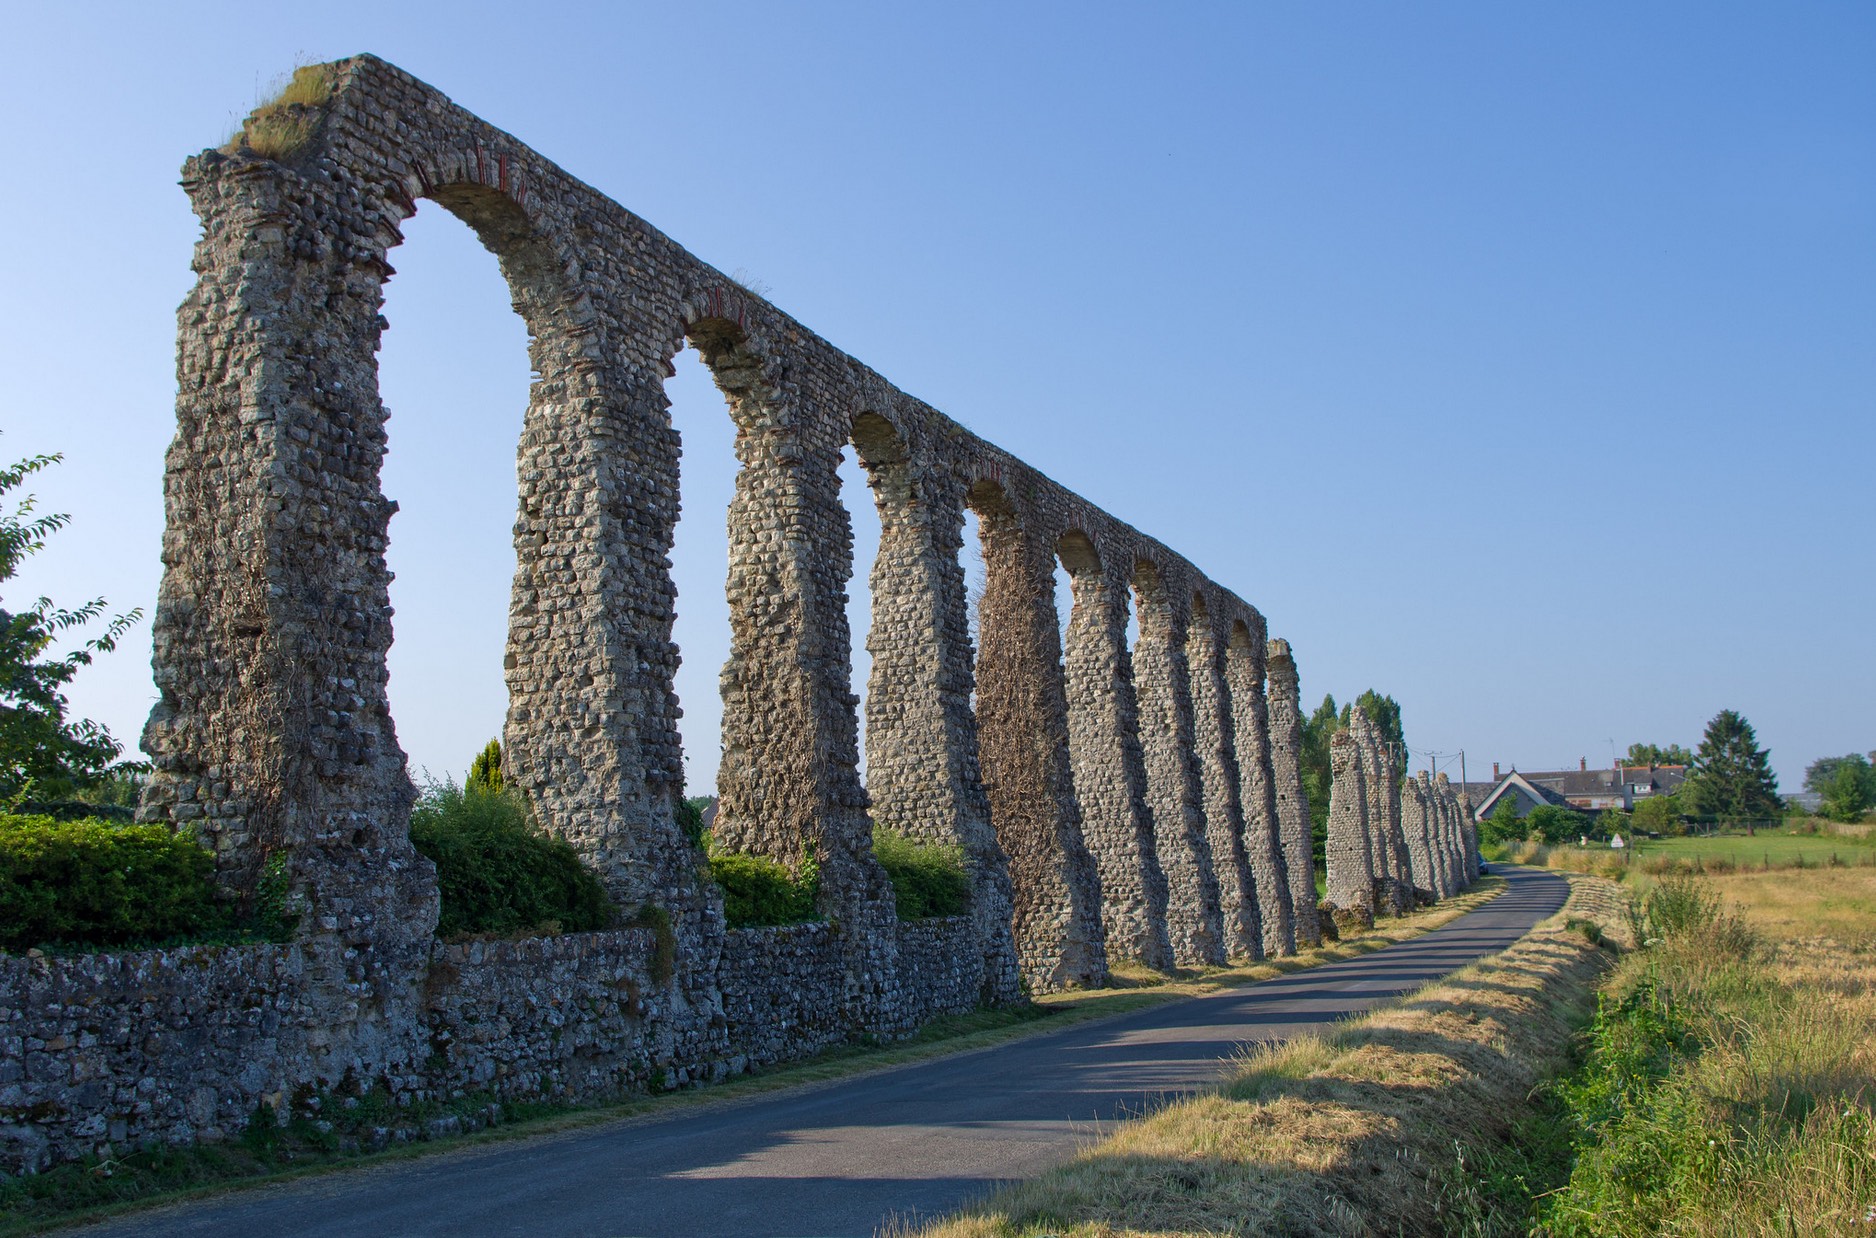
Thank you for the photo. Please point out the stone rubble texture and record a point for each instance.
(1387, 842)
(1348, 853)
(1391, 845)
(1290, 798)
(1109, 802)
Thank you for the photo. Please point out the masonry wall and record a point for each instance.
(109, 1051)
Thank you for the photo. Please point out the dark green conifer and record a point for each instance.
(1732, 777)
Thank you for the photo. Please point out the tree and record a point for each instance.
(485, 772)
(1552, 823)
(1318, 729)
(41, 753)
(1504, 825)
(1658, 814)
(1848, 794)
(1731, 778)
(1384, 712)
(1819, 774)
(1655, 754)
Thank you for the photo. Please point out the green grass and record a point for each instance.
(1799, 847)
(1725, 1090)
(283, 123)
(1781, 848)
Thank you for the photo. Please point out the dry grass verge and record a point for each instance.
(1351, 1132)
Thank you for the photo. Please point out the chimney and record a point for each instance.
(1494, 771)
(1582, 765)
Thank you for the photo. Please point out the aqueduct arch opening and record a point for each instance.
(455, 378)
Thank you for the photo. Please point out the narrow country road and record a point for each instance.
(843, 1158)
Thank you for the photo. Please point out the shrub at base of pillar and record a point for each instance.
(1391, 897)
(1345, 919)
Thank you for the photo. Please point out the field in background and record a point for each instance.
(1830, 846)
(1838, 904)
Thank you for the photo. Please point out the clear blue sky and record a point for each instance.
(1518, 361)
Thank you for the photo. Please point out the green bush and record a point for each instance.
(497, 871)
(98, 883)
(758, 891)
(928, 879)
(1660, 814)
(1551, 823)
(1504, 825)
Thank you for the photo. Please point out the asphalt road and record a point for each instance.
(843, 1158)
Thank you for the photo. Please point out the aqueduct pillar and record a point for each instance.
(1292, 800)
(1222, 786)
(1166, 731)
(1263, 842)
(921, 736)
(1022, 728)
(1109, 766)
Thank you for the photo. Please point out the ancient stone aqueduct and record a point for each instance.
(1111, 802)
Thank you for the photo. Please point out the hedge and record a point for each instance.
(498, 873)
(758, 891)
(928, 879)
(100, 883)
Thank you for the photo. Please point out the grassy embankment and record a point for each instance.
(266, 1153)
(1725, 1086)
(1730, 1081)
(1358, 1130)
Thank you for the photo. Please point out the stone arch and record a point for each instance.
(609, 789)
(788, 786)
(308, 425)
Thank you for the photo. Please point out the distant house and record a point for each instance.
(1583, 788)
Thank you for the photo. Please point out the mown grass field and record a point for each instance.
(1799, 915)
